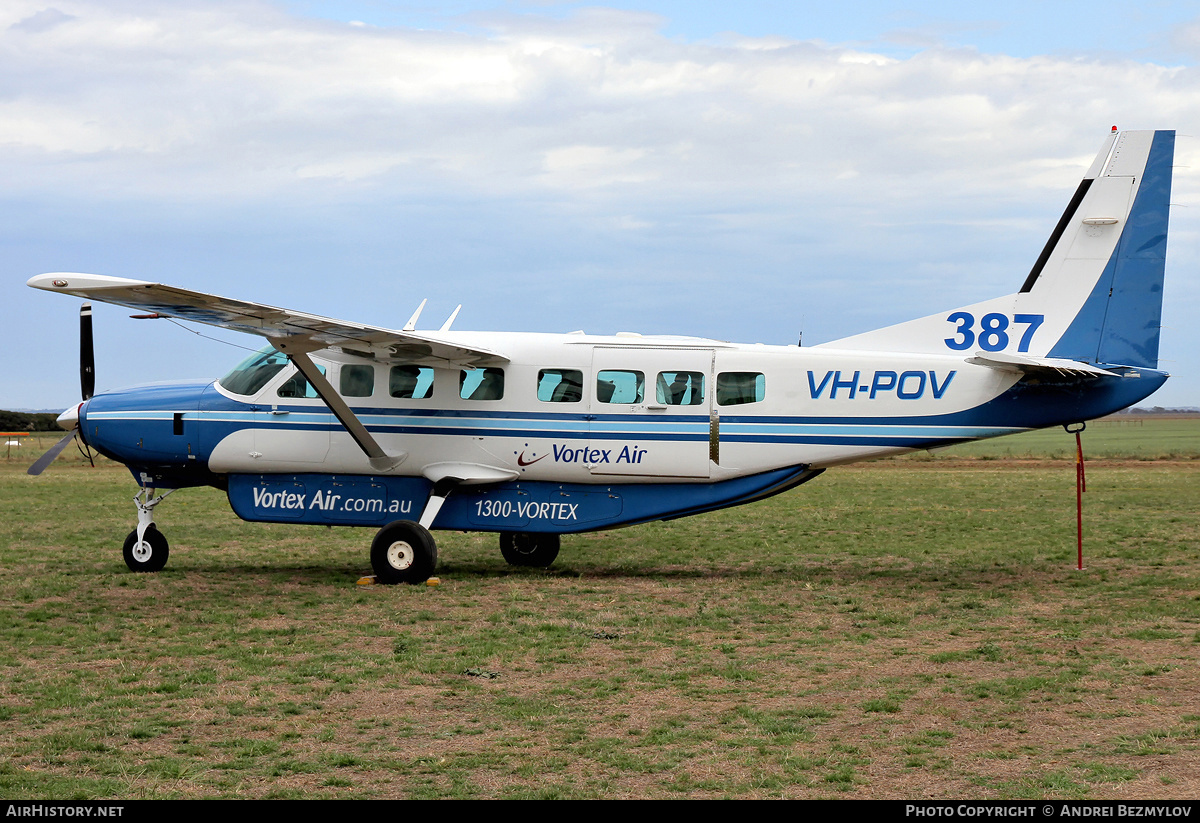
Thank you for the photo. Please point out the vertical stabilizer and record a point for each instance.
(1120, 320)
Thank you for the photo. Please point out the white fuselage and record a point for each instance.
(813, 406)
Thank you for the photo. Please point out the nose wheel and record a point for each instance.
(147, 554)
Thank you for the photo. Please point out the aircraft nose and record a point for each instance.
(70, 418)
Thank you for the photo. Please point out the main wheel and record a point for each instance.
(403, 552)
(150, 555)
(528, 548)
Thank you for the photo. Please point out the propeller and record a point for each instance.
(87, 354)
(69, 419)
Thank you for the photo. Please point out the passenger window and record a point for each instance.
(737, 387)
(298, 386)
(481, 384)
(680, 388)
(411, 382)
(357, 381)
(560, 386)
(614, 386)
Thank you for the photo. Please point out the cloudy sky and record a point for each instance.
(742, 171)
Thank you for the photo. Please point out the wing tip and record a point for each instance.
(73, 281)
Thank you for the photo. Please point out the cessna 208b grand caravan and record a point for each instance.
(538, 435)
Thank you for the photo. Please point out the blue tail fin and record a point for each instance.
(1119, 322)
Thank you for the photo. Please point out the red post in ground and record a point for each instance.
(1080, 488)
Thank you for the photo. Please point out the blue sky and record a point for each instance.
(1019, 29)
(742, 171)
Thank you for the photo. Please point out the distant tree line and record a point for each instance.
(1161, 410)
(27, 422)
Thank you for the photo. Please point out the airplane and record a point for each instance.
(535, 435)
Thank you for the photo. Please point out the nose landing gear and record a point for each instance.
(146, 550)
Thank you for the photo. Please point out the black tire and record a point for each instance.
(403, 552)
(151, 556)
(529, 549)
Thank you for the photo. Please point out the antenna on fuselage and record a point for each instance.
(450, 319)
(411, 325)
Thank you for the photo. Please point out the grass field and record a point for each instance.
(1120, 437)
(911, 628)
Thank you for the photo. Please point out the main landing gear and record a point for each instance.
(529, 548)
(403, 552)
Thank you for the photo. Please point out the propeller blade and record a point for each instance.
(87, 355)
(51, 453)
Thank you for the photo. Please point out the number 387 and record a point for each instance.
(993, 331)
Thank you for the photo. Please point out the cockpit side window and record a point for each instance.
(249, 376)
(298, 386)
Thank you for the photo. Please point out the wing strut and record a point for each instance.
(378, 458)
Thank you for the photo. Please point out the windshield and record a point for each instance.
(253, 373)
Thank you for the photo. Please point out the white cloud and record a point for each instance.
(595, 165)
(235, 95)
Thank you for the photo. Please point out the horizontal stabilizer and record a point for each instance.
(1038, 365)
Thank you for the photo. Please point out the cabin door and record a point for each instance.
(650, 411)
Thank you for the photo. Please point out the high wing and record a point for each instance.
(296, 331)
